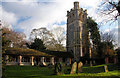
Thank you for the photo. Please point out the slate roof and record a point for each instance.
(32, 52)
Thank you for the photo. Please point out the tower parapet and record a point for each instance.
(76, 13)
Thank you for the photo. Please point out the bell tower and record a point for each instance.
(75, 22)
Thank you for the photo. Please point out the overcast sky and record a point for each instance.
(25, 15)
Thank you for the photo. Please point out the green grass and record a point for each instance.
(45, 72)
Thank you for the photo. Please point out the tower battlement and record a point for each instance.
(76, 13)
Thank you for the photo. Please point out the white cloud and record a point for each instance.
(8, 17)
(19, 1)
(45, 13)
(42, 14)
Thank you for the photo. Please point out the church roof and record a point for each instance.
(32, 52)
(22, 51)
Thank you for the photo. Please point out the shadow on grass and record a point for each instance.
(66, 77)
(100, 68)
(45, 72)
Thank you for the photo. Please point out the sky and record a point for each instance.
(25, 15)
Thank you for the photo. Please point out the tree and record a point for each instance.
(106, 49)
(53, 45)
(102, 44)
(94, 36)
(59, 34)
(51, 39)
(17, 39)
(10, 38)
(37, 45)
(5, 43)
(108, 38)
(42, 33)
(118, 53)
(110, 8)
(107, 45)
(93, 29)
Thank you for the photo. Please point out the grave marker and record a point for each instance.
(74, 68)
(106, 68)
(80, 65)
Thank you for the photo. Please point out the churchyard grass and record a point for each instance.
(46, 72)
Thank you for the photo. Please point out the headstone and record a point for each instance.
(80, 65)
(94, 62)
(86, 62)
(90, 62)
(106, 68)
(74, 68)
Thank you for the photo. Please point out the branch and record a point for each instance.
(112, 4)
(110, 11)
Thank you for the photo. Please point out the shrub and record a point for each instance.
(59, 68)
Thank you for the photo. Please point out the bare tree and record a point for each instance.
(110, 8)
(107, 37)
(52, 39)
(59, 34)
(17, 39)
(42, 33)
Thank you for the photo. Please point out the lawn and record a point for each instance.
(45, 72)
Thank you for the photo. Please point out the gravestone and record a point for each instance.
(80, 65)
(74, 68)
(90, 62)
(86, 62)
(106, 68)
(94, 62)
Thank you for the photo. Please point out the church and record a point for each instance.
(77, 32)
(76, 44)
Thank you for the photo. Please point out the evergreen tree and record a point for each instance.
(37, 45)
(95, 35)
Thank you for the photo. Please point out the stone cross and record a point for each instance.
(74, 67)
(80, 65)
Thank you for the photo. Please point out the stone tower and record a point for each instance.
(76, 31)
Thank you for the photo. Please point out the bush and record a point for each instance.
(59, 68)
